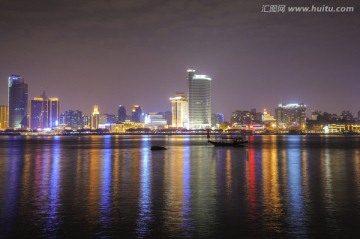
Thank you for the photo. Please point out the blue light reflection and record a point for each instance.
(145, 215)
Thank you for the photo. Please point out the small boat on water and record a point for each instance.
(235, 142)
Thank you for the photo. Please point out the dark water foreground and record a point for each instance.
(115, 187)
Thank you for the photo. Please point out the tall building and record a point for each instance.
(53, 112)
(180, 111)
(291, 116)
(121, 114)
(95, 118)
(72, 118)
(217, 119)
(4, 109)
(136, 113)
(38, 113)
(17, 101)
(199, 100)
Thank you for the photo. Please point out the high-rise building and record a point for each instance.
(4, 109)
(95, 118)
(72, 118)
(180, 111)
(38, 113)
(199, 100)
(121, 114)
(86, 121)
(291, 116)
(217, 119)
(17, 101)
(136, 113)
(53, 112)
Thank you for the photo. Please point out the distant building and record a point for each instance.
(121, 114)
(136, 113)
(269, 120)
(17, 101)
(240, 117)
(291, 116)
(156, 120)
(4, 109)
(199, 100)
(72, 118)
(86, 121)
(180, 111)
(346, 117)
(126, 125)
(168, 117)
(95, 118)
(53, 112)
(217, 119)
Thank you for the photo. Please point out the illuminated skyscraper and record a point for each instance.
(121, 114)
(17, 101)
(199, 100)
(291, 116)
(53, 112)
(4, 109)
(38, 113)
(180, 111)
(95, 118)
(136, 113)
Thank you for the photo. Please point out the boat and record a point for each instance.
(235, 142)
(158, 148)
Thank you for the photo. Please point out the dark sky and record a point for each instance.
(137, 52)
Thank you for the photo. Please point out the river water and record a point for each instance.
(297, 186)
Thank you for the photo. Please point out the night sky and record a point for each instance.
(137, 52)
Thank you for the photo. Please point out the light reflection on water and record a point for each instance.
(106, 186)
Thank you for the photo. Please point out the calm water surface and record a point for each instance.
(114, 186)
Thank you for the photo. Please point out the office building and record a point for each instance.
(121, 114)
(217, 119)
(53, 112)
(38, 113)
(155, 120)
(199, 100)
(17, 102)
(72, 118)
(136, 113)
(4, 109)
(180, 111)
(95, 118)
(291, 116)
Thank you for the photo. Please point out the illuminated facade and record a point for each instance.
(269, 120)
(123, 127)
(38, 113)
(4, 110)
(136, 113)
(95, 118)
(17, 101)
(155, 120)
(180, 111)
(72, 118)
(199, 100)
(291, 116)
(53, 112)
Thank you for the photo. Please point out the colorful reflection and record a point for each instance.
(106, 176)
(295, 182)
(145, 213)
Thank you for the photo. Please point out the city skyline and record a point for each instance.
(127, 53)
